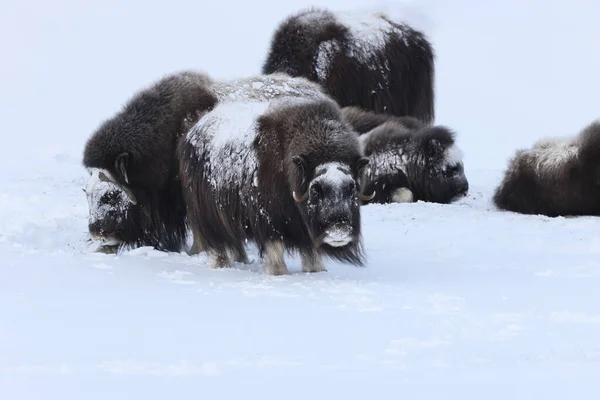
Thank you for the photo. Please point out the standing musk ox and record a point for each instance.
(134, 194)
(409, 161)
(283, 174)
(556, 177)
(362, 59)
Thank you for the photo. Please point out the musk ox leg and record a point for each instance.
(402, 195)
(312, 262)
(274, 261)
(220, 259)
(196, 248)
(240, 256)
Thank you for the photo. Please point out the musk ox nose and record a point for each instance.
(339, 234)
(463, 189)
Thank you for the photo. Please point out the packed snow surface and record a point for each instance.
(457, 301)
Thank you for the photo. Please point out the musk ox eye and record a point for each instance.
(316, 189)
(349, 187)
(110, 198)
(451, 171)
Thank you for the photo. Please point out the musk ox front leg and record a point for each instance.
(240, 256)
(197, 247)
(312, 261)
(274, 258)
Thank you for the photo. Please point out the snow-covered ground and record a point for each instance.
(457, 302)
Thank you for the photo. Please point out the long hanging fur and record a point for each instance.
(242, 164)
(555, 177)
(135, 153)
(365, 60)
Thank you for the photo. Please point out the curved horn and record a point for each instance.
(130, 195)
(300, 198)
(364, 197)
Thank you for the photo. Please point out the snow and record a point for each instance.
(457, 301)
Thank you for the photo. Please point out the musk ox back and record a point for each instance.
(360, 59)
(282, 174)
(134, 193)
(555, 177)
(410, 161)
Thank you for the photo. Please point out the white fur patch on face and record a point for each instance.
(402, 195)
(453, 156)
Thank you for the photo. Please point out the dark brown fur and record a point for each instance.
(137, 148)
(257, 204)
(558, 187)
(406, 153)
(397, 79)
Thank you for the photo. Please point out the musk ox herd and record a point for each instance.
(341, 116)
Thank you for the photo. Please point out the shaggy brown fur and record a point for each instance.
(389, 69)
(410, 161)
(242, 187)
(136, 150)
(556, 177)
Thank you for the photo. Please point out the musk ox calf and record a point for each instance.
(134, 193)
(410, 161)
(283, 174)
(360, 59)
(556, 177)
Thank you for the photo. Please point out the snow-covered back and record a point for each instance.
(265, 87)
(368, 34)
(456, 301)
(223, 138)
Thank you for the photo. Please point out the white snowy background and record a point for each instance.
(458, 301)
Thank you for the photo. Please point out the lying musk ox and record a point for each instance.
(556, 177)
(282, 174)
(361, 59)
(134, 193)
(410, 161)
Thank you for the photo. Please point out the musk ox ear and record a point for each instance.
(121, 164)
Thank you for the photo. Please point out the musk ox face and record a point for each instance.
(445, 179)
(109, 209)
(329, 203)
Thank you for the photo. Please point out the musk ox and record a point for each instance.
(360, 59)
(282, 174)
(555, 177)
(134, 194)
(410, 161)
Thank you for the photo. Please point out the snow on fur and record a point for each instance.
(265, 87)
(228, 130)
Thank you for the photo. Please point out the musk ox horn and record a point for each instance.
(364, 197)
(301, 198)
(130, 195)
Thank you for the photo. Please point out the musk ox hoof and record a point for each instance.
(107, 249)
(219, 260)
(402, 195)
(196, 248)
(274, 260)
(312, 262)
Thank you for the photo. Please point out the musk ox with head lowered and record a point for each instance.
(283, 174)
(409, 161)
(134, 193)
(360, 59)
(555, 177)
